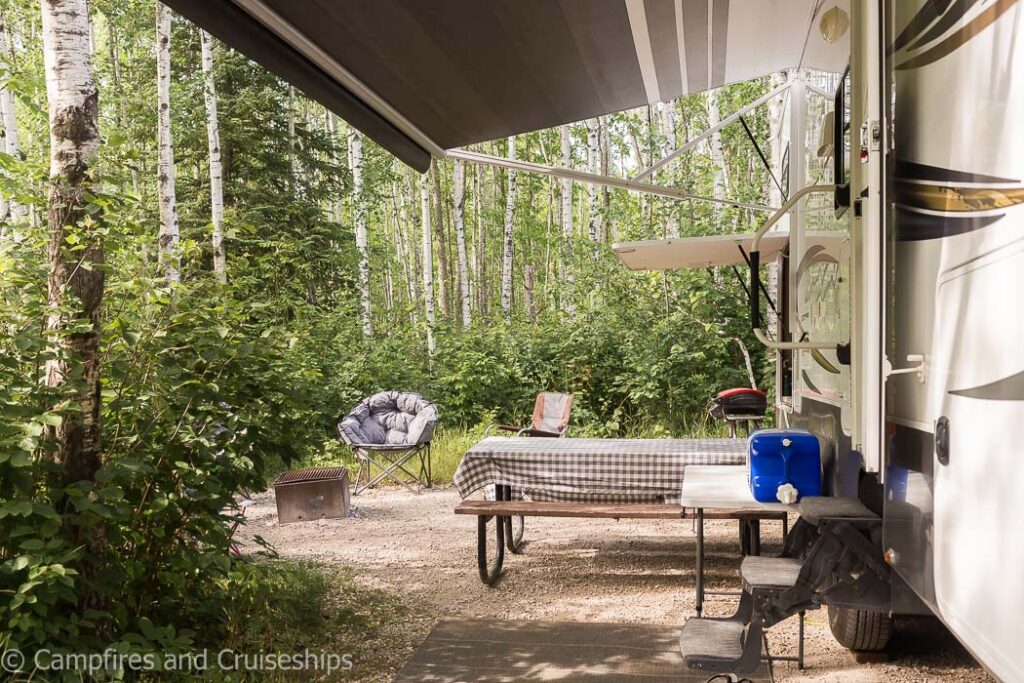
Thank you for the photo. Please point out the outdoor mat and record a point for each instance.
(480, 650)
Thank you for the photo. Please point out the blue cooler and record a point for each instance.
(783, 456)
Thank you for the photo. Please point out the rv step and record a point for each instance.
(815, 509)
(711, 639)
(720, 645)
(761, 573)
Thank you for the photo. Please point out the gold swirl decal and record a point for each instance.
(957, 199)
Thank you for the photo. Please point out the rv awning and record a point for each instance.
(696, 252)
(421, 76)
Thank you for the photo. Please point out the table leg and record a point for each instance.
(800, 646)
(744, 526)
(699, 598)
(755, 537)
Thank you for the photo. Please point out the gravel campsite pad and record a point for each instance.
(642, 571)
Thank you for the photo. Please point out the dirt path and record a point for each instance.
(576, 569)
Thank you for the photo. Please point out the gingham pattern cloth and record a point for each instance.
(591, 470)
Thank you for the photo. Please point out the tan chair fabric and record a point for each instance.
(551, 412)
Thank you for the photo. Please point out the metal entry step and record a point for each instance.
(721, 645)
(764, 573)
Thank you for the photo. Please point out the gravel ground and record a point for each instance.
(579, 569)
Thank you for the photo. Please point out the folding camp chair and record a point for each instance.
(550, 417)
(388, 431)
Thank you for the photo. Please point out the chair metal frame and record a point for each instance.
(391, 461)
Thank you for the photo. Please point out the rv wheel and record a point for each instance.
(857, 629)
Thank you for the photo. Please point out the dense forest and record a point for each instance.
(251, 266)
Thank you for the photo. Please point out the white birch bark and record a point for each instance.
(528, 300)
(507, 243)
(776, 111)
(404, 249)
(480, 279)
(335, 203)
(721, 186)
(216, 170)
(355, 156)
(667, 141)
(165, 147)
(568, 277)
(5, 204)
(775, 142)
(460, 239)
(594, 166)
(12, 145)
(428, 260)
(75, 293)
(291, 134)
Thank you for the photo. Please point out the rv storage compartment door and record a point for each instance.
(977, 384)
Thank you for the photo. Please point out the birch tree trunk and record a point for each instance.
(12, 144)
(481, 246)
(776, 151)
(594, 166)
(460, 240)
(165, 147)
(5, 203)
(506, 260)
(721, 187)
(528, 300)
(568, 295)
(776, 112)
(428, 260)
(668, 143)
(355, 156)
(216, 170)
(75, 280)
(405, 255)
(335, 203)
(442, 248)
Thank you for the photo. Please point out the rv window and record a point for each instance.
(841, 142)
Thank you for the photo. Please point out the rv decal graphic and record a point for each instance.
(808, 383)
(935, 202)
(948, 14)
(1007, 389)
(820, 359)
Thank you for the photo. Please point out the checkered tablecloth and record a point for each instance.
(592, 470)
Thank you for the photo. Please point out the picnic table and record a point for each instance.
(595, 478)
(591, 470)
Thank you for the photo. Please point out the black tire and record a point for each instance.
(860, 630)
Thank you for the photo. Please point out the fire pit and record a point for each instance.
(313, 493)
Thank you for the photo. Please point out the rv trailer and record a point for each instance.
(899, 247)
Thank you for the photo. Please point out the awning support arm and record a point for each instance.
(764, 290)
(764, 159)
(755, 275)
(593, 178)
(693, 142)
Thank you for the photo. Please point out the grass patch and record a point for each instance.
(292, 607)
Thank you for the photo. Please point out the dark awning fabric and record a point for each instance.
(454, 72)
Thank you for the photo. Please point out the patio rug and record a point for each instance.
(487, 651)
